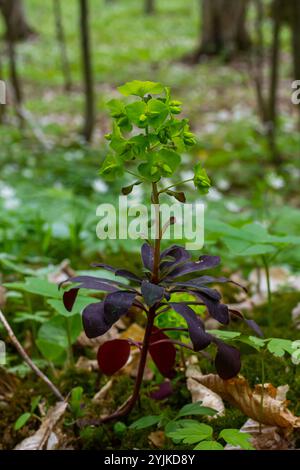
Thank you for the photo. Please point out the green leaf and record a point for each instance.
(209, 445)
(136, 113)
(139, 88)
(201, 180)
(160, 164)
(37, 286)
(21, 421)
(52, 338)
(192, 433)
(111, 168)
(116, 108)
(75, 401)
(237, 438)
(34, 403)
(278, 347)
(80, 303)
(225, 335)
(196, 409)
(157, 112)
(145, 422)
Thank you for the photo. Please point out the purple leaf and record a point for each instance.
(95, 283)
(152, 293)
(113, 355)
(198, 335)
(147, 253)
(69, 298)
(95, 321)
(212, 293)
(202, 281)
(164, 391)
(205, 262)
(118, 303)
(179, 254)
(217, 310)
(118, 271)
(254, 326)
(227, 360)
(128, 274)
(99, 317)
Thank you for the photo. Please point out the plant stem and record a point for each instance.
(267, 272)
(130, 403)
(128, 406)
(70, 349)
(158, 234)
(175, 184)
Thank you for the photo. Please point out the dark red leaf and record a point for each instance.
(163, 354)
(69, 298)
(113, 355)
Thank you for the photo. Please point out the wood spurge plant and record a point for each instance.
(147, 141)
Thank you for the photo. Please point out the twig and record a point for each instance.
(27, 359)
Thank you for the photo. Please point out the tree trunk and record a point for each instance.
(16, 23)
(296, 37)
(89, 120)
(149, 7)
(62, 45)
(224, 28)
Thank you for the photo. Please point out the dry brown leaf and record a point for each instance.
(237, 391)
(265, 437)
(134, 332)
(8, 384)
(201, 393)
(83, 363)
(64, 271)
(45, 438)
(157, 438)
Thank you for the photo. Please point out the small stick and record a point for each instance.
(27, 359)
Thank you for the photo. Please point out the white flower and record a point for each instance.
(7, 192)
(11, 204)
(99, 186)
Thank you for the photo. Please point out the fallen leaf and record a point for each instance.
(63, 272)
(83, 363)
(134, 332)
(237, 391)
(201, 393)
(265, 437)
(157, 438)
(45, 438)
